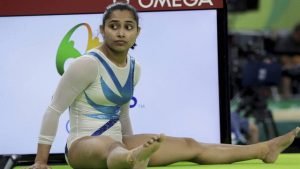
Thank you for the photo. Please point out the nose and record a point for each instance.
(121, 33)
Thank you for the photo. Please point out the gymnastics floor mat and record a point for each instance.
(285, 161)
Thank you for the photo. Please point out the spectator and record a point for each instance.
(244, 130)
(289, 49)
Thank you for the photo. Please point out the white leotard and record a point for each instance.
(96, 91)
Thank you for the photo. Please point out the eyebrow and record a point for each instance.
(112, 21)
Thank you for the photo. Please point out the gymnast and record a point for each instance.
(97, 88)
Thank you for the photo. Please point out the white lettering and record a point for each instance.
(162, 3)
(173, 3)
(115, 1)
(144, 5)
(205, 1)
(190, 4)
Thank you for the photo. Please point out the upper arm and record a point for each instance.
(77, 77)
(137, 73)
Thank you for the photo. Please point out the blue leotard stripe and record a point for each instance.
(105, 127)
(108, 111)
(111, 112)
(126, 91)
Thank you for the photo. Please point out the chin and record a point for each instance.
(120, 50)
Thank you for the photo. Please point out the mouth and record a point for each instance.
(120, 42)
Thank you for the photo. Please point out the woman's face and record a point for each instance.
(120, 31)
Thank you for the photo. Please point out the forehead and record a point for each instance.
(121, 15)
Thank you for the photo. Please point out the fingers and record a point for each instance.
(39, 166)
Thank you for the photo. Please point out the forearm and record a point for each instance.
(125, 120)
(42, 153)
(127, 130)
(78, 76)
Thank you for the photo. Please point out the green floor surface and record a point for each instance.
(285, 161)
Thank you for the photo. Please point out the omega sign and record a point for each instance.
(170, 3)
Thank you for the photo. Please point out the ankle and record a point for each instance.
(118, 158)
(263, 151)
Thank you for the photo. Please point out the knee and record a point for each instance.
(191, 143)
(196, 150)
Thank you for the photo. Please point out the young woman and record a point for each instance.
(98, 87)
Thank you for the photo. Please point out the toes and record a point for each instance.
(146, 145)
(297, 130)
(151, 141)
(155, 138)
(161, 137)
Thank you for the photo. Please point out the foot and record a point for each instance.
(275, 146)
(139, 157)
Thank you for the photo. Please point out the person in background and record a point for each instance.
(245, 131)
(288, 47)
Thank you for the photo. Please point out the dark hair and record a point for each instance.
(120, 6)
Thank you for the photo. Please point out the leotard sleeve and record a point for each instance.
(125, 120)
(78, 76)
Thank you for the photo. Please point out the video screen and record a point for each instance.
(178, 92)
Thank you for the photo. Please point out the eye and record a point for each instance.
(113, 26)
(129, 27)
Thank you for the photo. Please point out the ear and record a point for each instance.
(138, 30)
(102, 30)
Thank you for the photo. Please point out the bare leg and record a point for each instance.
(136, 158)
(277, 145)
(186, 149)
(267, 151)
(91, 152)
(103, 152)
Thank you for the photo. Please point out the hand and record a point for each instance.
(39, 165)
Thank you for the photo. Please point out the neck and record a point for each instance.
(118, 58)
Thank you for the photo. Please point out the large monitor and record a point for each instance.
(181, 49)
